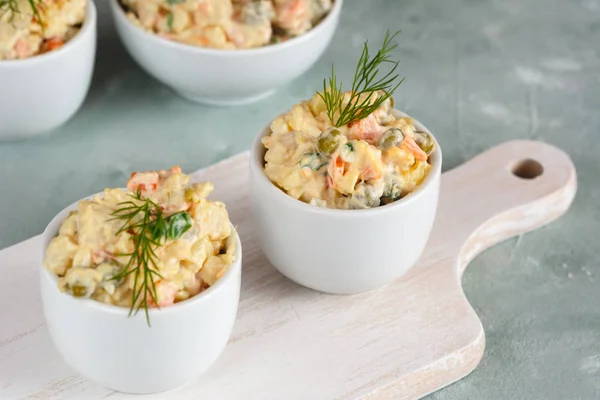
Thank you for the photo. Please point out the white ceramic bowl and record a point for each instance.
(341, 251)
(100, 341)
(225, 77)
(40, 93)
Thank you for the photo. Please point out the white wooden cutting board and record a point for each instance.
(402, 341)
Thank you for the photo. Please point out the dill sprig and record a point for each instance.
(149, 228)
(12, 6)
(369, 91)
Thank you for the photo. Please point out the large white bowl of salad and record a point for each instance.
(47, 52)
(344, 187)
(226, 52)
(140, 286)
(350, 220)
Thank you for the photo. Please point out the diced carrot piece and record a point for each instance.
(144, 181)
(410, 145)
(52, 44)
(165, 292)
(367, 129)
(21, 48)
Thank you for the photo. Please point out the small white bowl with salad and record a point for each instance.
(140, 286)
(226, 52)
(47, 52)
(344, 188)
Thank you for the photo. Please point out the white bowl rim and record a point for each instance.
(111, 308)
(415, 195)
(88, 24)
(270, 48)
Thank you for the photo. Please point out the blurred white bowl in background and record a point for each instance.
(225, 77)
(40, 93)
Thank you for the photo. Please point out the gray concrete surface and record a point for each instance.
(478, 72)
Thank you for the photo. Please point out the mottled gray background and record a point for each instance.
(477, 73)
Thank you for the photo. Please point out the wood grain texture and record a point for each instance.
(402, 341)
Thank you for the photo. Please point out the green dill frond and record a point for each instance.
(149, 228)
(12, 7)
(369, 89)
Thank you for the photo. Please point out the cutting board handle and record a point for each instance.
(506, 191)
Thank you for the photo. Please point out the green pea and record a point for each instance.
(329, 141)
(79, 290)
(391, 137)
(394, 193)
(425, 142)
(364, 196)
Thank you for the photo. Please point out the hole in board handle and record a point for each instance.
(527, 169)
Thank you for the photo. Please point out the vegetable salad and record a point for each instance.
(98, 251)
(368, 163)
(227, 24)
(22, 35)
